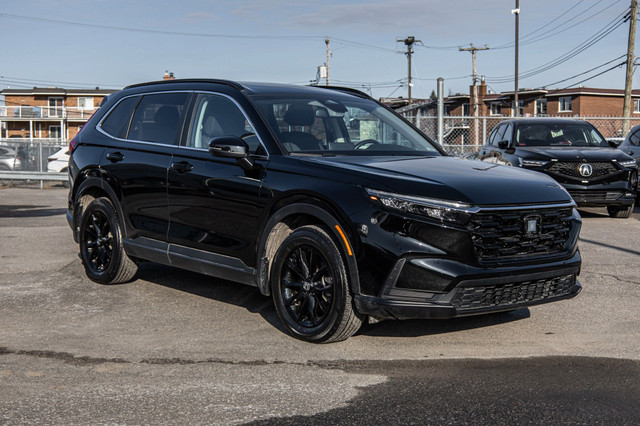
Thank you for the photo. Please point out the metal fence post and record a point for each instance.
(440, 110)
(484, 130)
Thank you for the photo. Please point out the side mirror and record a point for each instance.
(503, 144)
(614, 143)
(231, 147)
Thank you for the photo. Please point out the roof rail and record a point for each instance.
(233, 84)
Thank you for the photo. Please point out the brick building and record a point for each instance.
(579, 101)
(47, 113)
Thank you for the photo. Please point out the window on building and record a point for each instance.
(636, 105)
(85, 102)
(541, 107)
(465, 110)
(55, 106)
(564, 104)
(520, 108)
(495, 108)
(54, 132)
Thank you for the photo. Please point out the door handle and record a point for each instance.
(181, 167)
(114, 157)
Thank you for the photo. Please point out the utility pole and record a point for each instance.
(626, 109)
(516, 12)
(409, 41)
(473, 51)
(326, 41)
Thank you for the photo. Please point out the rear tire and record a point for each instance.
(310, 288)
(620, 212)
(101, 249)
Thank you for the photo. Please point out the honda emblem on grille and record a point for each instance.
(585, 169)
(532, 225)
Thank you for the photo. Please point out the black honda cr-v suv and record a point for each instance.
(321, 197)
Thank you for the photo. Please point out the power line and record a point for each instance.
(524, 40)
(589, 42)
(588, 71)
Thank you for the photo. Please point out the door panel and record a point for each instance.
(214, 205)
(139, 172)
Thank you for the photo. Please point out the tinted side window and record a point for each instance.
(508, 134)
(216, 116)
(158, 118)
(117, 123)
(497, 136)
(634, 139)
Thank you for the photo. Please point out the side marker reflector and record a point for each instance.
(344, 238)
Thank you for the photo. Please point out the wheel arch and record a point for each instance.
(292, 216)
(90, 188)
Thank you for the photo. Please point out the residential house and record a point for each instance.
(47, 113)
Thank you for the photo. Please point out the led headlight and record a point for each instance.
(628, 163)
(442, 210)
(533, 163)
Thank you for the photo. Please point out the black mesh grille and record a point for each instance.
(504, 235)
(571, 169)
(594, 196)
(471, 298)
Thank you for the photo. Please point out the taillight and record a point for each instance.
(73, 143)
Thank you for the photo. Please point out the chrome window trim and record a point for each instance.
(99, 125)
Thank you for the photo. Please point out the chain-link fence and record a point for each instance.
(28, 155)
(463, 135)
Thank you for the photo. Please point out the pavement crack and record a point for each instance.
(66, 357)
(622, 280)
(72, 359)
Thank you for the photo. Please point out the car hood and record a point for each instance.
(450, 178)
(573, 154)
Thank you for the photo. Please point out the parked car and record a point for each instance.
(631, 144)
(9, 159)
(270, 185)
(58, 162)
(574, 153)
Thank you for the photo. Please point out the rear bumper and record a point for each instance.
(478, 294)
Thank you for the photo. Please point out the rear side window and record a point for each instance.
(117, 122)
(158, 118)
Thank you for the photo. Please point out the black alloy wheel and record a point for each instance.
(310, 287)
(101, 250)
(98, 241)
(307, 286)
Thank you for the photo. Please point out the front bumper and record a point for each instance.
(479, 291)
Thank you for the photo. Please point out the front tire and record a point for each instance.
(310, 288)
(101, 250)
(620, 212)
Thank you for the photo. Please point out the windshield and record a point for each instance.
(559, 134)
(340, 125)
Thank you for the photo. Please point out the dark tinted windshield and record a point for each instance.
(559, 134)
(340, 125)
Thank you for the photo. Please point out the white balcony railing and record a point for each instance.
(32, 112)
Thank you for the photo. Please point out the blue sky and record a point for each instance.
(85, 43)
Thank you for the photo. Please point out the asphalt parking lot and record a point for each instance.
(177, 347)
